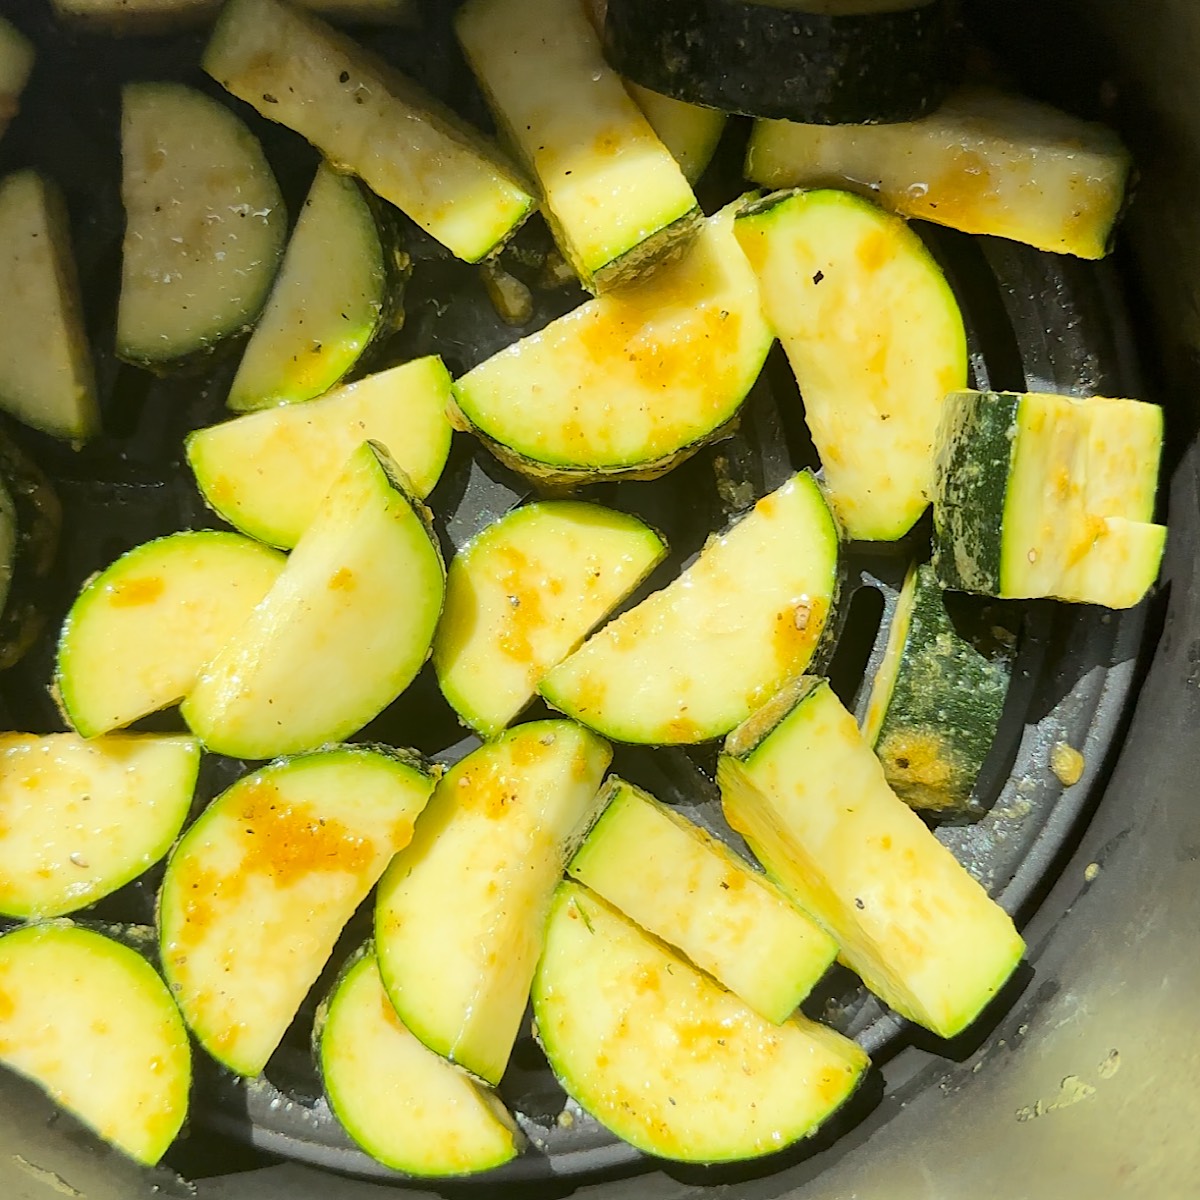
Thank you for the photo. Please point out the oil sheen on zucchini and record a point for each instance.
(875, 338)
(258, 889)
(689, 132)
(803, 787)
(692, 660)
(16, 65)
(666, 1058)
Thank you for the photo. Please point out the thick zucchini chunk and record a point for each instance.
(80, 819)
(260, 886)
(141, 631)
(936, 698)
(689, 132)
(615, 198)
(16, 65)
(845, 61)
(89, 1020)
(630, 383)
(1041, 495)
(666, 1058)
(368, 119)
(799, 782)
(679, 883)
(875, 338)
(133, 17)
(691, 661)
(524, 593)
(460, 914)
(404, 1105)
(53, 389)
(357, 604)
(267, 472)
(984, 162)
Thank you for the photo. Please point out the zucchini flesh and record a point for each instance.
(460, 914)
(984, 162)
(89, 1020)
(524, 593)
(875, 338)
(630, 383)
(141, 631)
(258, 889)
(371, 121)
(691, 661)
(80, 819)
(667, 1059)
(357, 602)
(689, 132)
(141, 17)
(204, 224)
(615, 198)
(404, 1105)
(803, 787)
(677, 882)
(16, 65)
(267, 472)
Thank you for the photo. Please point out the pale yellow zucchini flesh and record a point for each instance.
(16, 65)
(121, 18)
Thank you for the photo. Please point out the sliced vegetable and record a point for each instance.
(460, 914)
(259, 888)
(875, 338)
(666, 1058)
(984, 162)
(524, 593)
(802, 786)
(678, 882)
(689, 132)
(132, 17)
(16, 65)
(694, 659)
(1041, 495)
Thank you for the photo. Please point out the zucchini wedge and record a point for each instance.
(80, 819)
(677, 882)
(633, 382)
(368, 119)
(404, 1105)
(141, 631)
(204, 224)
(90, 1021)
(689, 132)
(122, 18)
(267, 472)
(16, 65)
(53, 390)
(258, 889)
(459, 915)
(1040, 495)
(984, 162)
(875, 338)
(357, 603)
(691, 661)
(614, 197)
(802, 786)
(524, 593)
(664, 1057)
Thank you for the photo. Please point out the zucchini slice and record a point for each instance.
(691, 661)
(368, 119)
(80, 819)
(141, 631)
(1041, 495)
(630, 383)
(664, 1057)
(799, 782)
(404, 1105)
(831, 61)
(936, 699)
(16, 65)
(89, 1020)
(678, 882)
(524, 593)
(258, 889)
(875, 338)
(204, 224)
(357, 604)
(984, 162)
(689, 132)
(141, 17)
(614, 197)
(459, 915)
(54, 389)
(267, 472)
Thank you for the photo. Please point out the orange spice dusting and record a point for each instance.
(133, 592)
